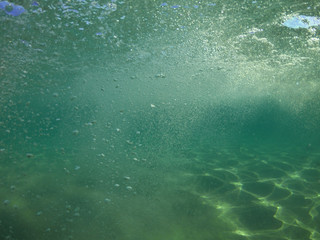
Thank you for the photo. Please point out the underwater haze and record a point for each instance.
(153, 119)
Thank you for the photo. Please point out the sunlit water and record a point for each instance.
(130, 120)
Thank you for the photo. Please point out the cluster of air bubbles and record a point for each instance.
(302, 21)
(73, 14)
(16, 10)
(11, 9)
(177, 6)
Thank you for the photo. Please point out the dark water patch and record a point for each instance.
(310, 175)
(186, 204)
(281, 165)
(211, 156)
(258, 218)
(279, 194)
(303, 216)
(263, 122)
(261, 189)
(239, 198)
(197, 168)
(267, 171)
(14, 226)
(296, 233)
(314, 189)
(207, 184)
(219, 158)
(188, 154)
(190, 211)
(299, 214)
(298, 186)
(296, 200)
(226, 189)
(271, 237)
(224, 175)
(247, 176)
(317, 211)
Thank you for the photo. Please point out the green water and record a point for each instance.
(136, 119)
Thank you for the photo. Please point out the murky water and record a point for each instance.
(159, 120)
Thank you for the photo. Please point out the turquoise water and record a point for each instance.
(129, 120)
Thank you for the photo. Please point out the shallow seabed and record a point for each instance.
(215, 193)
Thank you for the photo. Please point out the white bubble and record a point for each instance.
(75, 132)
